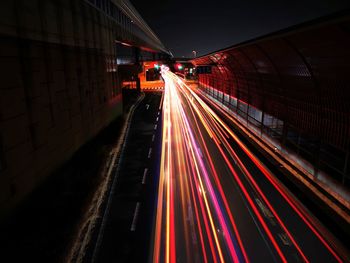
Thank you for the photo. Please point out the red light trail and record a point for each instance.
(214, 205)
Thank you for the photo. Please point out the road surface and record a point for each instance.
(216, 201)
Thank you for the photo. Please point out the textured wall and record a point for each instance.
(58, 87)
(300, 76)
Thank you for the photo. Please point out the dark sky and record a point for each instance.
(209, 25)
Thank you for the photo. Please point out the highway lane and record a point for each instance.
(127, 215)
(216, 201)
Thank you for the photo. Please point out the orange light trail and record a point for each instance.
(196, 220)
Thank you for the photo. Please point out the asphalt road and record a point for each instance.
(216, 202)
(125, 234)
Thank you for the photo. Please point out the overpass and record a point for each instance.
(249, 163)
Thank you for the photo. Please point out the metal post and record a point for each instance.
(317, 158)
(345, 172)
(262, 123)
(138, 84)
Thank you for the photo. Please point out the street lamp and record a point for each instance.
(194, 52)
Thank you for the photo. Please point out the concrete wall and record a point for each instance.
(58, 87)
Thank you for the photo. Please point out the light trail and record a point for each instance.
(207, 192)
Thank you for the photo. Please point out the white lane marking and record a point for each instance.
(144, 176)
(157, 119)
(149, 152)
(136, 214)
(267, 213)
(153, 138)
(147, 106)
(200, 152)
(284, 238)
(78, 256)
(155, 126)
(158, 112)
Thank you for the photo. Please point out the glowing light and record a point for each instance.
(179, 66)
(194, 214)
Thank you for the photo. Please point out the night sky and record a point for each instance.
(209, 25)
